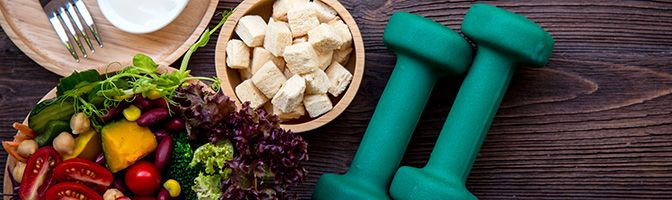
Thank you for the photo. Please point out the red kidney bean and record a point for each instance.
(100, 159)
(163, 151)
(160, 103)
(163, 194)
(141, 102)
(113, 112)
(160, 134)
(120, 185)
(153, 117)
(175, 125)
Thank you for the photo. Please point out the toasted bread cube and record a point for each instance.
(300, 39)
(290, 94)
(278, 36)
(340, 78)
(302, 19)
(245, 74)
(251, 29)
(317, 82)
(268, 79)
(287, 73)
(247, 92)
(301, 58)
(260, 56)
(279, 62)
(325, 13)
(286, 116)
(317, 104)
(324, 59)
(342, 56)
(325, 38)
(281, 7)
(343, 31)
(237, 54)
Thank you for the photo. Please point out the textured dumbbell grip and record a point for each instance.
(472, 113)
(393, 122)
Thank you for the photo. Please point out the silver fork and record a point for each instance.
(62, 14)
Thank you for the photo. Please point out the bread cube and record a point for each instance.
(287, 73)
(290, 94)
(325, 38)
(280, 8)
(302, 19)
(268, 79)
(317, 82)
(247, 92)
(301, 58)
(343, 31)
(325, 13)
(279, 62)
(245, 74)
(317, 104)
(251, 29)
(342, 56)
(286, 116)
(300, 39)
(237, 54)
(324, 59)
(278, 36)
(340, 78)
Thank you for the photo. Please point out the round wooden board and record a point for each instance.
(231, 77)
(27, 26)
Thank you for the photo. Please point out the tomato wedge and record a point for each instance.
(38, 175)
(84, 171)
(70, 190)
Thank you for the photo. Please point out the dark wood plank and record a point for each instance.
(596, 123)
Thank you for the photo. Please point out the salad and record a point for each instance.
(140, 133)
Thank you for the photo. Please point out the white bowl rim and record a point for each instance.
(113, 17)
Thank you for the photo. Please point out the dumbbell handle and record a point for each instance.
(471, 115)
(393, 121)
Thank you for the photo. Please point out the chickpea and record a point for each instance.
(27, 148)
(112, 194)
(64, 143)
(79, 123)
(18, 171)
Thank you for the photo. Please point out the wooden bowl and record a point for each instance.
(231, 77)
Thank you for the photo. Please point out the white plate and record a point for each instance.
(141, 16)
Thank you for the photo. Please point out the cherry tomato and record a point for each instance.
(143, 178)
(70, 190)
(39, 175)
(84, 171)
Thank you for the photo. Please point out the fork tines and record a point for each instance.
(62, 15)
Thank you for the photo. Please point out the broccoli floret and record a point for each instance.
(179, 168)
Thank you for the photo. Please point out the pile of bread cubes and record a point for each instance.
(289, 64)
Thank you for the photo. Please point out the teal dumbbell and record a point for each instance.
(504, 40)
(425, 51)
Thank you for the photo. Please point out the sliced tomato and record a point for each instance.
(39, 175)
(84, 171)
(123, 198)
(144, 198)
(70, 190)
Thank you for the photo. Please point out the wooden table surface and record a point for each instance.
(596, 123)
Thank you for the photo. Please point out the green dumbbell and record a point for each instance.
(425, 51)
(503, 40)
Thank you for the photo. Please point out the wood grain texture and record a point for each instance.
(27, 26)
(596, 123)
(231, 77)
